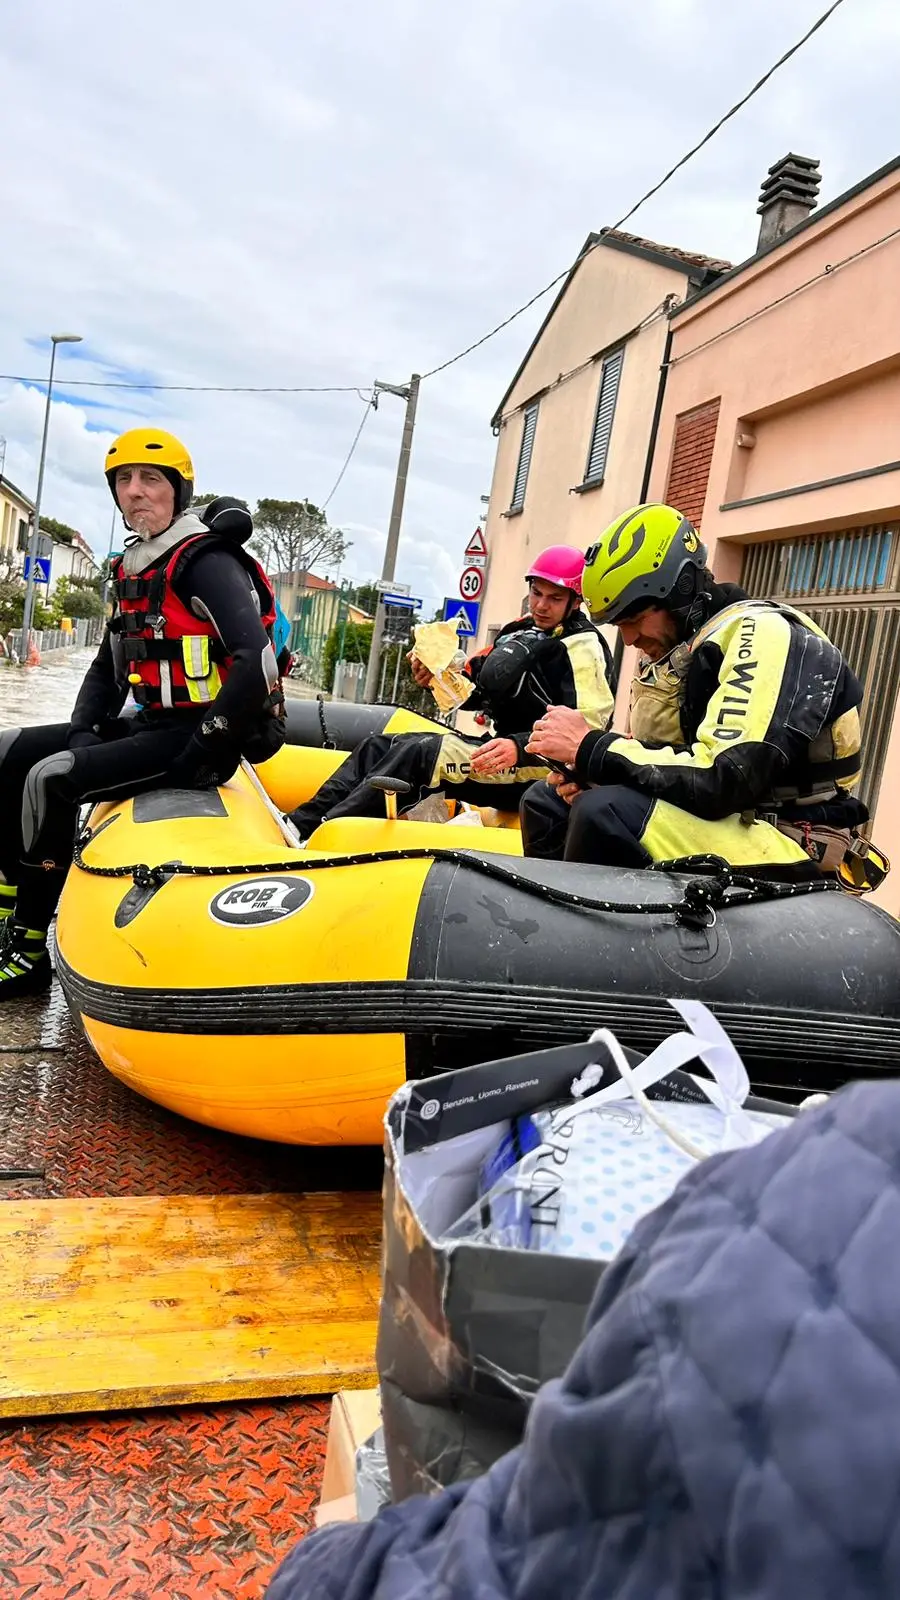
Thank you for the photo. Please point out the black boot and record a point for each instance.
(24, 962)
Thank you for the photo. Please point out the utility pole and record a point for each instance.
(34, 542)
(409, 393)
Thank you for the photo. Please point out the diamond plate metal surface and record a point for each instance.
(186, 1505)
(64, 1116)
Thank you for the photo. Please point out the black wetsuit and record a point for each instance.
(47, 772)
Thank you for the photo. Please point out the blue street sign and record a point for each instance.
(402, 600)
(463, 612)
(41, 571)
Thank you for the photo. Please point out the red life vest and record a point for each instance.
(171, 657)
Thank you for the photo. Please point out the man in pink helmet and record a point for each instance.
(552, 656)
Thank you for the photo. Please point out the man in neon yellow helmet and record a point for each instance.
(745, 735)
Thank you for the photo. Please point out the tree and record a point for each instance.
(204, 500)
(76, 597)
(12, 602)
(357, 642)
(365, 595)
(293, 536)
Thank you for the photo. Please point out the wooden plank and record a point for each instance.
(150, 1301)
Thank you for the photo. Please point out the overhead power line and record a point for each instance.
(369, 406)
(199, 388)
(798, 288)
(663, 307)
(688, 156)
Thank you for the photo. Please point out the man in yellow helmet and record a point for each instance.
(745, 734)
(191, 641)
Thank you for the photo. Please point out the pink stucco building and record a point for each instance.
(780, 433)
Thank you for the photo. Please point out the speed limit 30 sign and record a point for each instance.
(471, 583)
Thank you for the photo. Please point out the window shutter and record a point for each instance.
(528, 430)
(603, 421)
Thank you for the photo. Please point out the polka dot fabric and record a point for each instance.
(582, 1190)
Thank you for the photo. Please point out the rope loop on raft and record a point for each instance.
(718, 888)
(327, 742)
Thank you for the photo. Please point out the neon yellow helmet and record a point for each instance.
(153, 448)
(651, 556)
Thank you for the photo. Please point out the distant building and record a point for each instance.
(311, 605)
(69, 557)
(16, 511)
(73, 559)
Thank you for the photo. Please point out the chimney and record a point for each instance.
(788, 195)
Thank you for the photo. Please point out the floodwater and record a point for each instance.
(42, 694)
(37, 695)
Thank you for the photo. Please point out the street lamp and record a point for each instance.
(55, 339)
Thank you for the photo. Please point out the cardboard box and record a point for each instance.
(355, 1416)
(468, 1331)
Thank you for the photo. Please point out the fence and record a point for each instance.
(849, 584)
(85, 631)
(349, 680)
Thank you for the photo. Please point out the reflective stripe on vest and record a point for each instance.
(203, 677)
(657, 696)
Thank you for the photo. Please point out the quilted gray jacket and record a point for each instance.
(729, 1428)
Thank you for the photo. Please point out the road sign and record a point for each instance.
(41, 570)
(477, 545)
(476, 561)
(391, 586)
(463, 612)
(402, 602)
(471, 583)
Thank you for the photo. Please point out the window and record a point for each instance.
(849, 584)
(528, 429)
(23, 534)
(603, 420)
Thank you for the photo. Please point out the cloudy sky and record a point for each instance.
(292, 194)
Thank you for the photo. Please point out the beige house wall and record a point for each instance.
(610, 295)
(13, 509)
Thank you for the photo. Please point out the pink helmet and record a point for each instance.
(559, 563)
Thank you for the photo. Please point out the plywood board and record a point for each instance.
(118, 1303)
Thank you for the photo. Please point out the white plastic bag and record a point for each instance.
(466, 817)
(589, 1170)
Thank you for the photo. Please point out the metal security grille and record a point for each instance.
(528, 430)
(849, 584)
(603, 421)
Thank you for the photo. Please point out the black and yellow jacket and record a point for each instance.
(570, 667)
(769, 713)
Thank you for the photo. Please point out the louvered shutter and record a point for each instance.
(528, 430)
(603, 421)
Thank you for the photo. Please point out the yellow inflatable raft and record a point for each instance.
(214, 994)
(287, 993)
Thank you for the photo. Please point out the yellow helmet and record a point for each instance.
(650, 556)
(153, 447)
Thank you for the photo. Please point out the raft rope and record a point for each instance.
(704, 897)
(327, 742)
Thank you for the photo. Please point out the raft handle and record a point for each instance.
(390, 788)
